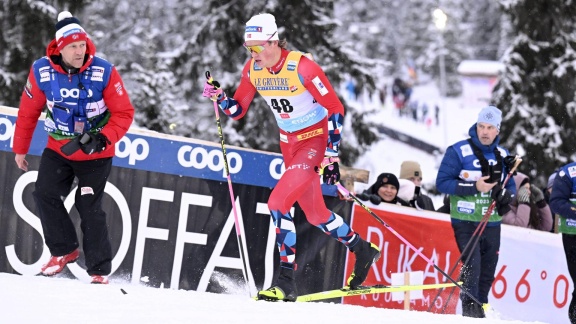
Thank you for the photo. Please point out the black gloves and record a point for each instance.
(502, 197)
(95, 143)
(365, 195)
(88, 142)
(331, 174)
(329, 170)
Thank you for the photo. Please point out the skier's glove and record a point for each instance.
(329, 170)
(97, 143)
(212, 90)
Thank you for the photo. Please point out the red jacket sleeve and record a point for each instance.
(32, 103)
(309, 71)
(245, 92)
(120, 107)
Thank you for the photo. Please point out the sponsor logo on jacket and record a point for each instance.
(309, 134)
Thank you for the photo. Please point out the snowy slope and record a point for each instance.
(26, 299)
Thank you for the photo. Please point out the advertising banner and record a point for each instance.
(430, 236)
(531, 283)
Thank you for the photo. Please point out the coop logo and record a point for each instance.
(135, 150)
(200, 158)
(73, 93)
(477, 163)
(276, 168)
(466, 207)
(6, 130)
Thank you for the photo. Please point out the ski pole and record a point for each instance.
(477, 233)
(216, 85)
(347, 193)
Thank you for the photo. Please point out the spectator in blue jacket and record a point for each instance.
(563, 203)
(472, 172)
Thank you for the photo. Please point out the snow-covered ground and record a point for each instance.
(27, 299)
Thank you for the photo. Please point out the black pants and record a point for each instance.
(569, 242)
(55, 178)
(478, 273)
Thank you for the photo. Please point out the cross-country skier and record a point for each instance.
(310, 116)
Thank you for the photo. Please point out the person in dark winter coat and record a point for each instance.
(472, 172)
(384, 190)
(563, 203)
(529, 208)
(410, 170)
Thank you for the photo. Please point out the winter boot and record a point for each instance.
(366, 254)
(472, 309)
(285, 287)
(57, 263)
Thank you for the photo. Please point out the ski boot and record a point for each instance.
(366, 254)
(285, 287)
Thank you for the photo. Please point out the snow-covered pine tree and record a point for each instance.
(26, 28)
(482, 29)
(537, 89)
(154, 97)
(131, 36)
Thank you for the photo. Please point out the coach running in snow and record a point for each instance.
(88, 112)
(310, 116)
(471, 172)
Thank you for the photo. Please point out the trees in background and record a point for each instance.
(163, 50)
(26, 27)
(537, 89)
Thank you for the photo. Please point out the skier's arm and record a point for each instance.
(237, 106)
(316, 82)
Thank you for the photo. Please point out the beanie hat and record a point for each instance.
(409, 169)
(490, 115)
(383, 179)
(551, 180)
(261, 27)
(68, 30)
